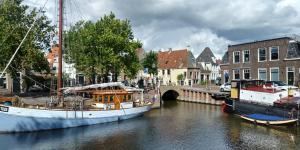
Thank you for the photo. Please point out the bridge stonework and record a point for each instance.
(191, 94)
(178, 89)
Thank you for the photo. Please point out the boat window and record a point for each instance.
(99, 99)
(234, 84)
(105, 98)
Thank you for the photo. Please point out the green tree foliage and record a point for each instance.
(150, 62)
(15, 21)
(105, 46)
(180, 77)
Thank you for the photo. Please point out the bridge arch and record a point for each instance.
(170, 92)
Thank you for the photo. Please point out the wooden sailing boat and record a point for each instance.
(98, 103)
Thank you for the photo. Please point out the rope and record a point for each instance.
(33, 80)
(11, 59)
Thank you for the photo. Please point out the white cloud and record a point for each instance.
(206, 23)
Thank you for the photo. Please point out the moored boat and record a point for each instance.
(268, 119)
(255, 97)
(101, 103)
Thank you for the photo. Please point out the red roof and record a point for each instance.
(173, 59)
(51, 55)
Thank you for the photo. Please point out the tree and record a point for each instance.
(105, 46)
(15, 21)
(150, 62)
(180, 77)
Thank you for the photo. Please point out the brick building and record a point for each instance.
(275, 59)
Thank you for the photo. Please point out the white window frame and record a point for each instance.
(244, 73)
(270, 53)
(271, 73)
(233, 60)
(258, 56)
(244, 56)
(259, 75)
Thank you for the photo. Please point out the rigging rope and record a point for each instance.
(34, 80)
(11, 59)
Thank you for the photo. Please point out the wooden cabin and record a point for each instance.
(109, 96)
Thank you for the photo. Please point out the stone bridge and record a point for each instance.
(192, 94)
(171, 92)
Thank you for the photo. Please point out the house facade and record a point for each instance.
(68, 69)
(175, 63)
(275, 59)
(208, 61)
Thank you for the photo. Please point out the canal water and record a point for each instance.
(178, 125)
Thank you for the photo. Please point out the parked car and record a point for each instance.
(226, 87)
(279, 85)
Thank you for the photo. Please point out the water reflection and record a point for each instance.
(178, 125)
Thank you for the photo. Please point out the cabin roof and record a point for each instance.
(101, 86)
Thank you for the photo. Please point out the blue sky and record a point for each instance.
(163, 24)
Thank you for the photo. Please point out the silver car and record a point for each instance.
(226, 87)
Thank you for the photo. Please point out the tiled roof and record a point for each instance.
(51, 55)
(206, 56)
(225, 58)
(173, 59)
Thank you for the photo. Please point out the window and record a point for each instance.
(163, 72)
(274, 53)
(236, 74)
(246, 73)
(246, 56)
(184, 74)
(261, 54)
(262, 74)
(236, 58)
(169, 71)
(274, 74)
(190, 74)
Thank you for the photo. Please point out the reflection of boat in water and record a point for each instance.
(245, 135)
(268, 119)
(108, 102)
(85, 137)
(251, 97)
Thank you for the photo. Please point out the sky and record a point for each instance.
(192, 24)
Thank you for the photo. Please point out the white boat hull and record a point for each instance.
(26, 120)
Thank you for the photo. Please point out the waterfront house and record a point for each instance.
(269, 59)
(68, 69)
(207, 62)
(175, 63)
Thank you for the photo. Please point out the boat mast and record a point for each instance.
(60, 29)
